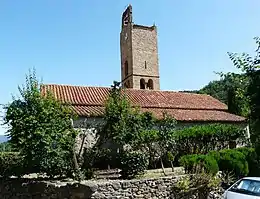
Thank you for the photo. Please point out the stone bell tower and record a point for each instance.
(139, 54)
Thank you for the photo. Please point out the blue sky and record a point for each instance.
(77, 42)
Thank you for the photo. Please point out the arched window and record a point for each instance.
(126, 68)
(150, 84)
(142, 84)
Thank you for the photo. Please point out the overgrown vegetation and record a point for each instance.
(200, 185)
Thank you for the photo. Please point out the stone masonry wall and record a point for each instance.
(124, 189)
(145, 48)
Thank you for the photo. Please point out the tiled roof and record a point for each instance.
(89, 101)
(178, 114)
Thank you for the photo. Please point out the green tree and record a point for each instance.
(126, 125)
(123, 122)
(229, 90)
(5, 147)
(249, 65)
(40, 129)
(165, 137)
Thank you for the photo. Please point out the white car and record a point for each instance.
(245, 188)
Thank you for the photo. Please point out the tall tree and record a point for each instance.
(123, 122)
(249, 65)
(40, 129)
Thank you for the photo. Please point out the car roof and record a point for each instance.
(252, 178)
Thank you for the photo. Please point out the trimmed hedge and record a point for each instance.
(194, 163)
(241, 161)
(234, 161)
(11, 164)
(252, 159)
(205, 138)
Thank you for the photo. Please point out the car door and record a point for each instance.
(235, 195)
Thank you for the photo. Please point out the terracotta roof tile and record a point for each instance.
(178, 114)
(88, 101)
(79, 95)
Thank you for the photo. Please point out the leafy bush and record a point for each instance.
(215, 155)
(252, 159)
(133, 164)
(193, 163)
(234, 161)
(11, 164)
(200, 185)
(205, 138)
(241, 161)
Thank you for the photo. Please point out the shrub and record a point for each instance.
(193, 163)
(200, 185)
(215, 155)
(234, 161)
(205, 138)
(11, 164)
(252, 159)
(132, 164)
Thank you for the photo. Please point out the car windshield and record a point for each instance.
(247, 186)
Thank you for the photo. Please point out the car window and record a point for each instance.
(246, 186)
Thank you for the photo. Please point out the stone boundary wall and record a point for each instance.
(124, 189)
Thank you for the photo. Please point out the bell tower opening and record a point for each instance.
(150, 84)
(142, 84)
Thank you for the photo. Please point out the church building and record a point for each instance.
(141, 78)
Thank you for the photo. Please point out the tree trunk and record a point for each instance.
(82, 144)
(76, 165)
(162, 166)
(172, 166)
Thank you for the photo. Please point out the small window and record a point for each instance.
(126, 68)
(145, 65)
(142, 84)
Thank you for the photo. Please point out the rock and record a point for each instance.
(116, 185)
(125, 184)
